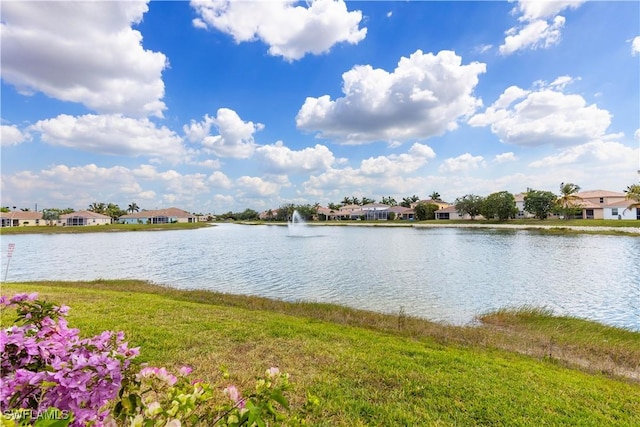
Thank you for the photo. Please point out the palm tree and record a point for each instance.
(133, 207)
(389, 201)
(569, 199)
(435, 196)
(633, 194)
(366, 201)
(347, 201)
(97, 207)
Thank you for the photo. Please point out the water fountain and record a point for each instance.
(296, 225)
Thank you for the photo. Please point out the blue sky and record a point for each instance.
(213, 106)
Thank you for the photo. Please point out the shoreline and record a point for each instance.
(627, 230)
(587, 229)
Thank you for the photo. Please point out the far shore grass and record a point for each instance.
(45, 229)
(516, 367)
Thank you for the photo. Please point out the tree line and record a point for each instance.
(500, 205)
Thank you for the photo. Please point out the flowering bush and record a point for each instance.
(45, 364)
(52, 377)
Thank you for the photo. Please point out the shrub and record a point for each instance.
(49, 373)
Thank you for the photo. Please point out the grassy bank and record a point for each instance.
(374, 369)
(102, 228)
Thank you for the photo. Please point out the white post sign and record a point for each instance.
(12, 246)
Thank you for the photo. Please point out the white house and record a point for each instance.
(83, 218)
(160, 216)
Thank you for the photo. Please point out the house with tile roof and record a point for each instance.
(603, 204)
(21, 219)
(83, 218)
(402, 213)
(158, 216)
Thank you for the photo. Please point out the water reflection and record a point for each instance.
(446, 275)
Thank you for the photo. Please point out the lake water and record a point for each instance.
(444, 274)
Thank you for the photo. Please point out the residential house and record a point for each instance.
(83, 218)
(603, 204)
(159, 216)
(402, 213)
(325, 213)
(440, 203)
(346, 211)
(449, 212)
(21, 219)
(375, 211)
(268, 215)
(522, 213)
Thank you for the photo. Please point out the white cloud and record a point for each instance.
(595, 152)
(417, 156)
(543, 9)
(83, 52)
(235, 138)
(545, 116)
(635, 46)
(483, 48)
(381, 175)
(11, 135)
(210, 163)
(290, 30)
(278, 158)
(462, 163)
(540, 25)
(424, 96)
(51, 187)
(505, 157)
(253, 186)
(219, 179)
(111, 134)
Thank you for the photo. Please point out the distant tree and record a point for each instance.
(500, 205)
(247, 215)
(355, 200)
(347, 201)
(5, 209)
(538, 202)
(436, 196)
(97, 207)
(334, 206)
(133, 207)
(407, 201)
(633, 194)
(228, 216)
(425, 211)
(25, 209)
(389, 201)
(469, 204)
(366, 201)
(50, 215)
(114, 211)
(307, 212)
(569, 201)
(285, 212)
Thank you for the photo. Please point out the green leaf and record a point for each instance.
(278, 397)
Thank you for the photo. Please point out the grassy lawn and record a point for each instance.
(519, 368)
(102, 228)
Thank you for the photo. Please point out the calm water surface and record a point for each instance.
(448, 275)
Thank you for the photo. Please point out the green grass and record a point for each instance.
(102, 228)
(368, 368)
